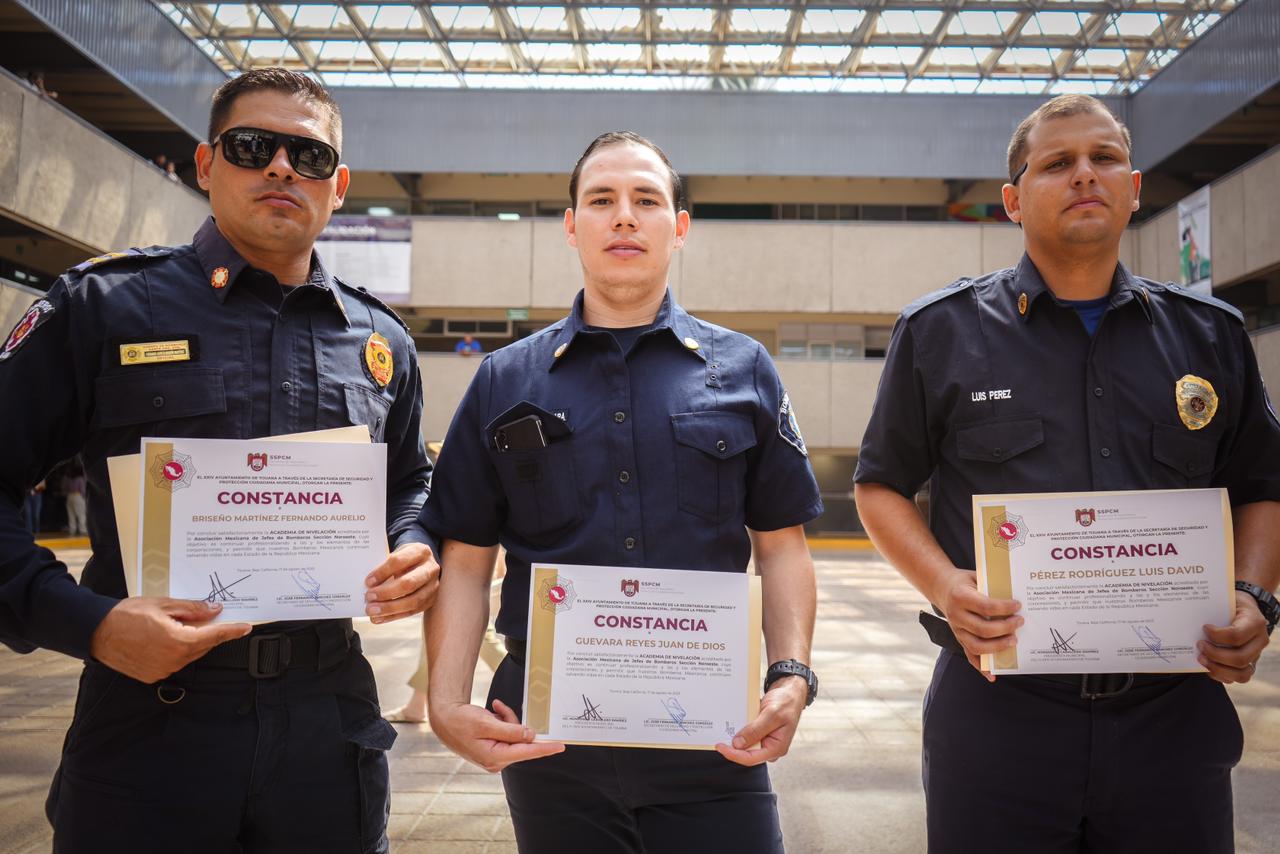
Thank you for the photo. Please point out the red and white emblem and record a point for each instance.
(630, 587)
(172, 471)
(257, 462)
(1085, 518)
(37, 314)
(1007, 531)
(556, 594)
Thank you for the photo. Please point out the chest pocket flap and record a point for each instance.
(1188, 453)
(999, 439)
(368, 408)
(711, 469)
(141, 398)
(719, 434)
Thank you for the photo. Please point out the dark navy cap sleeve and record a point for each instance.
(1252, 469)
(467, 502)
(781, 488)
(47, 407)
(897, 449)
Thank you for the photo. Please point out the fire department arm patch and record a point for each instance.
(789, 427)
(40, 311)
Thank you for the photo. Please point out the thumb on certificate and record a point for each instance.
(191, 610)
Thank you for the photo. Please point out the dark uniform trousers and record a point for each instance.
(600, 800)
(1104, 775)
(293, 763)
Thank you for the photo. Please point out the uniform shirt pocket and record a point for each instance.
(1189, 454)
(123, 399)
(1006, 454)
(711, 463)
(365, 407)
(541, 487)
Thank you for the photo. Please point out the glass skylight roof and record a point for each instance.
(941, 46)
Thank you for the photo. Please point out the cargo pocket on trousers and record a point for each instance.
(370, 741)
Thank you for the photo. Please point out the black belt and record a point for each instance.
(1093, 686)
(515, 649)
(268, 654)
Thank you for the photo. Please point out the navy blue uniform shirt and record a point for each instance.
(261, 362)
(659, 458)
(993, 385)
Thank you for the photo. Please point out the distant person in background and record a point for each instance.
(467, 346)
(35, 504)
(414, 711)
(77, 515)
(171, 172)
(36, 79)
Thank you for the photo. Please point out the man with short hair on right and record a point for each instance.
(1087, 358)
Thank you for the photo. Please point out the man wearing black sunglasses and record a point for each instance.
(189, 735)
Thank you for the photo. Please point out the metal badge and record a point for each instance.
(378, 360)
(220, 278)
(1022, 304)
(1197, 401)
(560, 350)
(691, 343)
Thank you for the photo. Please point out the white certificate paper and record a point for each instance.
(629, 657)
(1110, 582)
(271, 530)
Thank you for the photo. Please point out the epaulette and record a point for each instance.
(116, 257)
(1196, 296)
(363, 293)
(958, 286)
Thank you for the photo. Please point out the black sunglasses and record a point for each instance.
(253, 148)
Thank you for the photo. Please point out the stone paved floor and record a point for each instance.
(851, 782)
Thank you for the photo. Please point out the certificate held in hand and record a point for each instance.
(270, 530)
(628, 657)
(1110, 582)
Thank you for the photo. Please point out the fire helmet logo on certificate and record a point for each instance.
(172, 471)
(556, 594)
(1008, 531)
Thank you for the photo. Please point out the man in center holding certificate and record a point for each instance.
(629, 435)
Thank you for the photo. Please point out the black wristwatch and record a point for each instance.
(1267, 604)
(791, 667)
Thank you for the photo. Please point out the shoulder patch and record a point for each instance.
(958, 286)
(363, 293)
(1194, 296)
(40, 311)
(114, 257)
(789, 427)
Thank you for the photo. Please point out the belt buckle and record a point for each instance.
(1094, 686)
(278, 655)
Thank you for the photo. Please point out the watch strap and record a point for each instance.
(791, 667)
(1267, 602)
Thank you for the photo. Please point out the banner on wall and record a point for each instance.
(370, 252)
(1193, 241)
